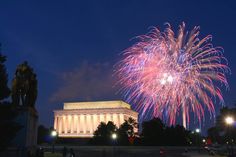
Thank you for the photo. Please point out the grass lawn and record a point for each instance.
(50, 154)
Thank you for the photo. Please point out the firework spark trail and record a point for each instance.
(172, 74)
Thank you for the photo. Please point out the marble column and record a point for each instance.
(88, 123)
(121, 117)
(102, 118)
(64, 124)
(91, 129)
(55, 122)
(115, 119)
(95, 122)
(79, 123)
(108, 118)
(72, 124)
(68, 123)
(60, 125)
(76, 124)
(83, 124)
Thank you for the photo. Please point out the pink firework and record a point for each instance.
(173, 75)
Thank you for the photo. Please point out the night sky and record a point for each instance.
(73, 45)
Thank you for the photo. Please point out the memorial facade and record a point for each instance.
(81, 119)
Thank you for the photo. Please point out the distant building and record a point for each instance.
(81, 119)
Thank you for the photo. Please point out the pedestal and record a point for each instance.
(26, 138)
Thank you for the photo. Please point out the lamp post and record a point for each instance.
(204, 141)
(229, 121)
(198, 131)
(114, 138)
(54, 136)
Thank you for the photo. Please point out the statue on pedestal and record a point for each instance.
(24, 86)
(24, 94)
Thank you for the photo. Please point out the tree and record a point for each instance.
(126, 131)
(9, 128)
(102, 136)
(24, 86)
(156, 133)
(5, 91)
(177, 136)
(153, 132)
(43, 134)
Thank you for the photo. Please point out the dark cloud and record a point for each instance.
(86, 83)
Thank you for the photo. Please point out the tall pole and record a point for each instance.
(54, 136)
(198, 135)
(53, 146)
(114, 138)
(229, 120)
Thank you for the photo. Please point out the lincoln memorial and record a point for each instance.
(81, 119)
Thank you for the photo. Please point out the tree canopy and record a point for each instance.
(102, 136)
(5, 91)
(127, 131)
(43, 134)
(154, 132)
(8, 113)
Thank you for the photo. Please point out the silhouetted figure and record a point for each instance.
(38, 152)
(162, 152)
(64, 152)
(29, 154)
(72, 154)
(41, 152)
(186, 150)
(103, 153)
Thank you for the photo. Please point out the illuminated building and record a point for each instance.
(81, 119)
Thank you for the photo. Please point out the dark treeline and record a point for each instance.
(154, 133)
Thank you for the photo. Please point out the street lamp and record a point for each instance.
(197, 136)
(114, 137)
(54, 135)
(229, 121)
(198, 130)
(204, 141)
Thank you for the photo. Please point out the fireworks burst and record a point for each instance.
(172, 74)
